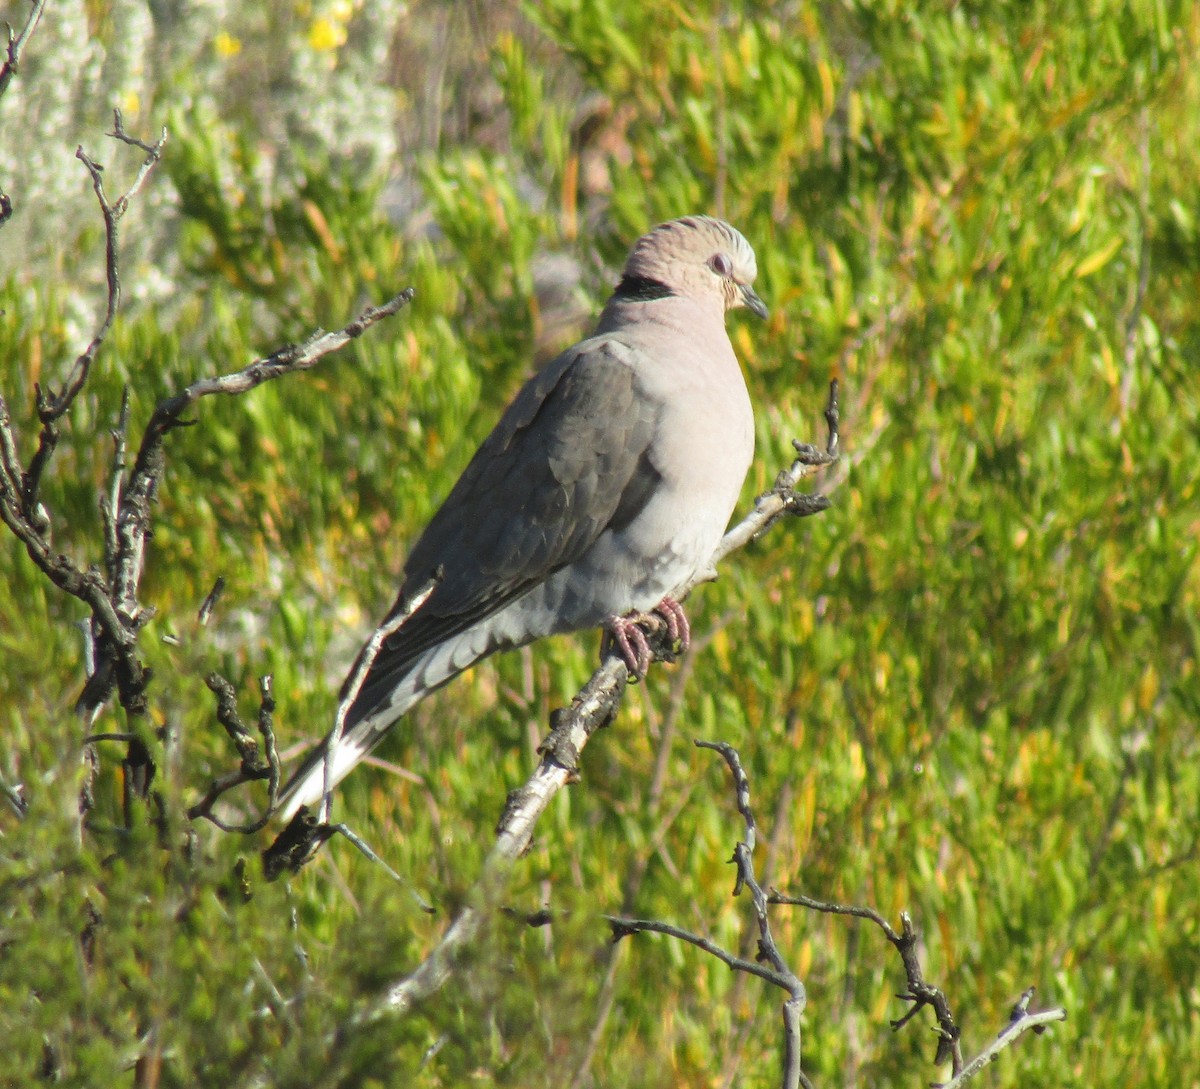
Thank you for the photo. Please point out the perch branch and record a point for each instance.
(571, 728)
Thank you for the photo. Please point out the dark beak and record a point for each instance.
(751, 301)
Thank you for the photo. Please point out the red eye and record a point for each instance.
(721, 265)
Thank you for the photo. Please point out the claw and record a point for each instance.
(626, 632)
(676, 619)
(629, 636)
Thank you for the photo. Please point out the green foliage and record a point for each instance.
(968, 690)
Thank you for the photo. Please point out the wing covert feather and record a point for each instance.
(569, 458)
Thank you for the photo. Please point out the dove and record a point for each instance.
(604, 488)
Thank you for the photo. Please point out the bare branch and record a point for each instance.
(571, 728)
(254, 768)
(110, 505)
(623, 928)
(52, 407)
(139, 491)
(12, 55)
(1020, 1021)
(12, 63)
(778, 972)
(741, 786)
(204, 614)
(11, 473)
(783, 498)
(920, 992)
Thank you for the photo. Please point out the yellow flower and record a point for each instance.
(325, 34)
(227, 45)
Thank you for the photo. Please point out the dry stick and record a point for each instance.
(12, 55)
(593, 707)
(204, 613)
(110, 506)
(1020, 1021)
(111, 617)
(253, 765)
(793, 1007)
(56, 405)
(12, 62)
(139, 491)
(116, 613)
(778, 972)
(779, 828)
(920, 993)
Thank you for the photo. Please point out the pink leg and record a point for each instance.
(676, 619)
(627, 633)
(631, 640)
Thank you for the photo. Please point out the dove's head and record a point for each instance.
(697, 256)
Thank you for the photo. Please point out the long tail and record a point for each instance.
(309, 783)
(438, 666)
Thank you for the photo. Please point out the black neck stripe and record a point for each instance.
(641, 289)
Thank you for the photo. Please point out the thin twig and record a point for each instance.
(623, 928)
(12, 63)
(920, 992)
(1020, 1021)
(12, 55)
(1134, 318)
(52, 407)
(783, 498)
(769, 963)
(743, 857)
(204, 613)
(254, 765)
(115, 621)
(110, 508)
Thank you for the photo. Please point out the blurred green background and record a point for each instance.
(968, 690)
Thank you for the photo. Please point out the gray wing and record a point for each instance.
(568, 460)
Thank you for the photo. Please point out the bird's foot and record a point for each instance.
(678, 628)
(629, 634)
